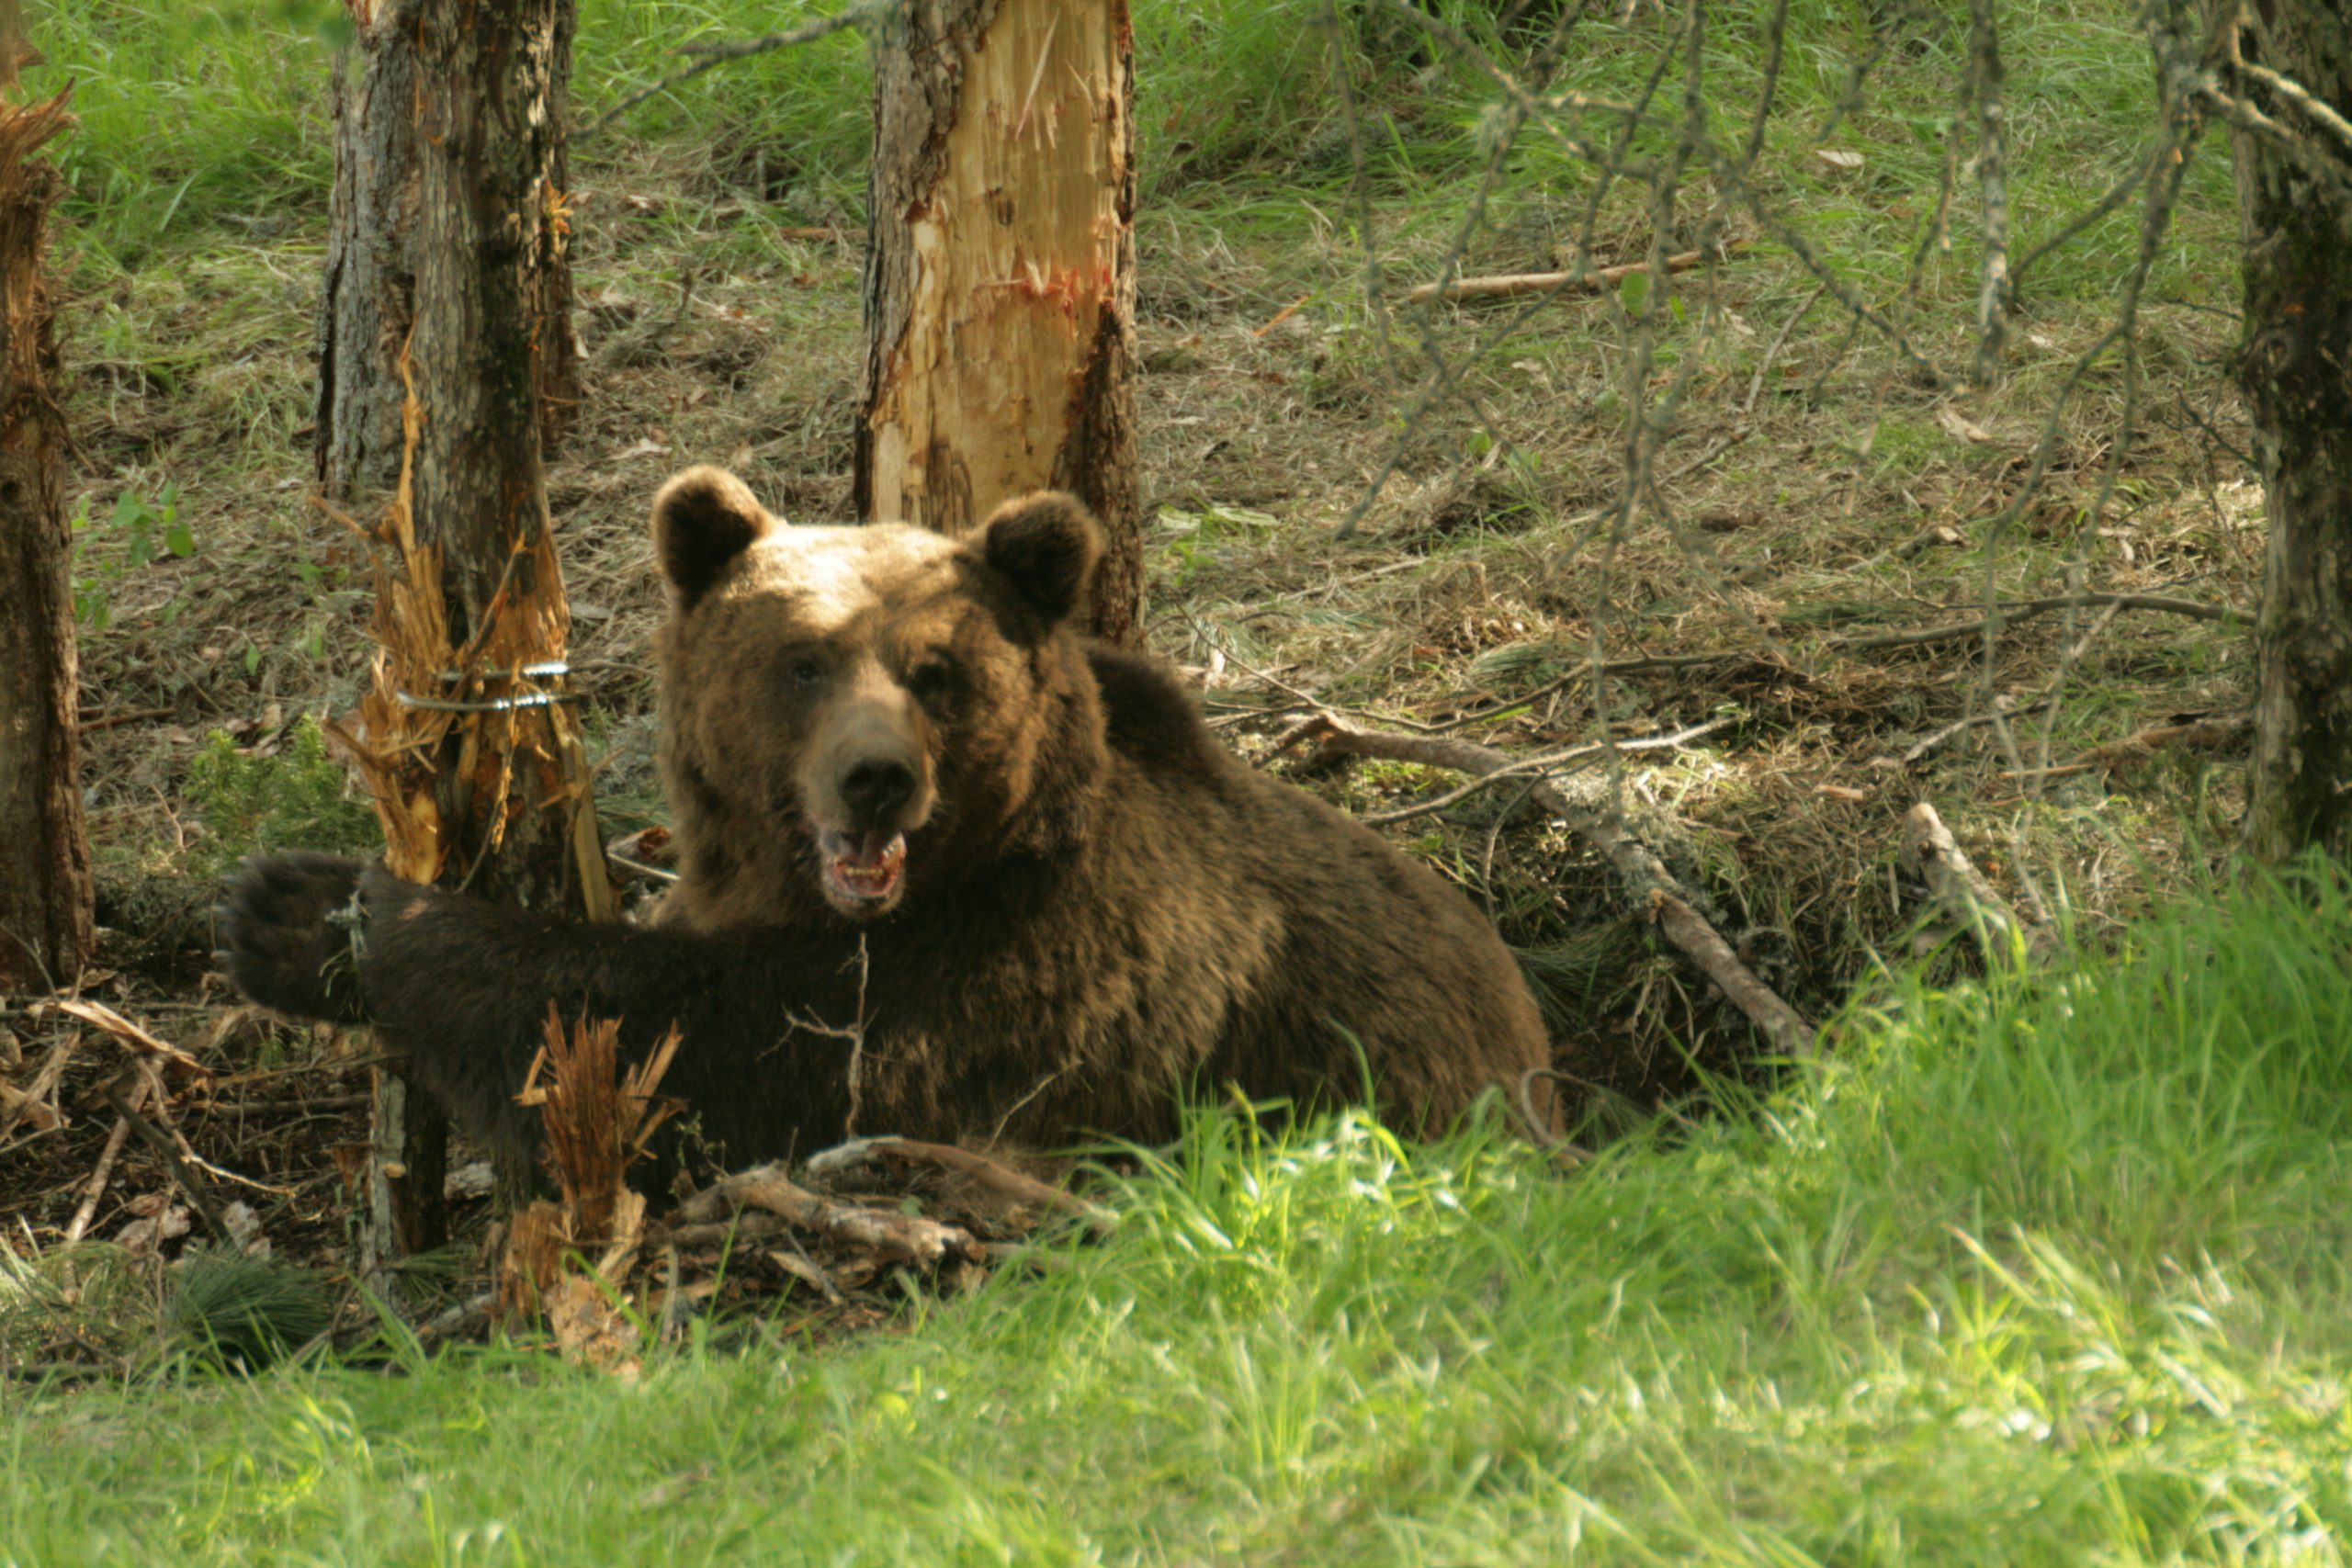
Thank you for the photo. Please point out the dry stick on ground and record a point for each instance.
(1685, 928)
(898, 1237)
(87, 1210)
(1509, 286)
(34, 1102)
(163, 1143)
(1756, 384)
(1960, 889)
(1642, 873)
(181, 1064)
(997, 1178)
(1545, 767)
(2197, 734)
(2011, 615)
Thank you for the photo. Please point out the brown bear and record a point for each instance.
(946, 869)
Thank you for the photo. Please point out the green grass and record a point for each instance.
(2051, 1270)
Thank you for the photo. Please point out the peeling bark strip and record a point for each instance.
(45, 893)
(2297, 229)
(368, 305)
(1000, 274)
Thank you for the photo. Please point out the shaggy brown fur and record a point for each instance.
(947, 870)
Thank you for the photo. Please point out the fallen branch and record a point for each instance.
(1933, 855)
(36, 1103)
(2203, 733)
(1509, 286)
(997, 1178)
(104, 1017)
(2019, 610)
(1643, 876)
(107, 721)
(100, 1174)
(1685, 928)
(1548, 766)
(908, 1238)
(199, 1196)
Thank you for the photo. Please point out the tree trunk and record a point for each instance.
(475, 758)
(557, 343)
(367, 307)
(1000, 274)
(2295, 369)
(45, 893)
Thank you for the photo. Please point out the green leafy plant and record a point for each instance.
(297, 796)
(146, 527)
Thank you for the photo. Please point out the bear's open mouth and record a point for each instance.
(862, 868)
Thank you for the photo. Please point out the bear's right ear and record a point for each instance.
(1046, 545)
(702, 520)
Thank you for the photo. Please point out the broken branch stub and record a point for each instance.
(1959, 890)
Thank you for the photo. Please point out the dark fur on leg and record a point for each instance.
(462, 988)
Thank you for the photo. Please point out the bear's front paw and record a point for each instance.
(287, 929)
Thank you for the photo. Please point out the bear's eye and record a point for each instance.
(807, 671)
(930, 678)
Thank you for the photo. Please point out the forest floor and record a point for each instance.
(1815, 493)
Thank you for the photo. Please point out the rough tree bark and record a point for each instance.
(365, 307)
(475, 760)
(2295, 369)
(1000, 274)
(45, 893)
(368, 305)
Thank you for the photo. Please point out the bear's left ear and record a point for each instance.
(702, 520)
(1044, 545)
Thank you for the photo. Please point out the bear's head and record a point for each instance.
(857, 709)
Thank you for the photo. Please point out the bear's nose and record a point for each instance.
(877, 787)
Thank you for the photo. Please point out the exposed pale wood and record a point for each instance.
(99, 1015)
(1000, 274)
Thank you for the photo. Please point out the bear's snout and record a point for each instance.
(877, 788)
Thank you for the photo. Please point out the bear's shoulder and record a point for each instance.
(1150, 716)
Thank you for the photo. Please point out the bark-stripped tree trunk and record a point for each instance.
(475, 762)
(1000, 274)
(368, 305)
(2295, 369)
(44, 853)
